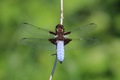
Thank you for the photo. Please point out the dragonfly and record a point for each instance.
(59, 39)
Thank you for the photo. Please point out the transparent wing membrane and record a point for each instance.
(35, 32)
(77, 44)
(82, 31)
(38, 43)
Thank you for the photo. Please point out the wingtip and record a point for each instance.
(24, 38)
(91, 23)
(25, 23)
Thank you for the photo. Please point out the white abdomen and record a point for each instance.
(60, 51)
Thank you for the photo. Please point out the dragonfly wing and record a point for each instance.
(82, 31)
(42, 44)
(31, 30)
(77, 44)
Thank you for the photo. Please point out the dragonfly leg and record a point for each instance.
(66, 33)
(53, 54)
(52, 32)
(66, 41)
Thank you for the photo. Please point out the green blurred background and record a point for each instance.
(100, 62)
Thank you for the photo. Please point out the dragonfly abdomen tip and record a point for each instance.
(60, 62)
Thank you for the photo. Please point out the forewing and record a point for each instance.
(82, 31)
(30, 30)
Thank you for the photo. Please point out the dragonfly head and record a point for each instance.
(60, 28)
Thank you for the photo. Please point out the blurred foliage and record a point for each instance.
(100, 62)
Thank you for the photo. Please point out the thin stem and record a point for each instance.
(61, 12)
(53, 70)
(61, 22)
